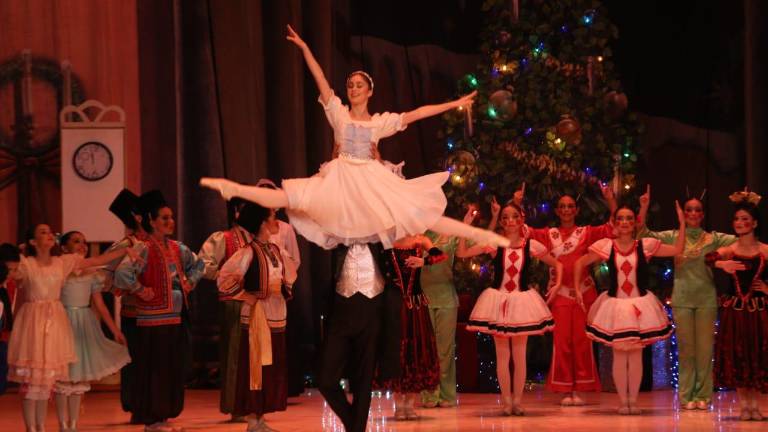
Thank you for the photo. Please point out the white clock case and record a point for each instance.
(85, 204)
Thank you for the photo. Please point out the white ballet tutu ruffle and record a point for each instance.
(361, 201)
(500, 312)
(628, 323)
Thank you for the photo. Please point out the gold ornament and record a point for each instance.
(461, 166)
(615, 104)
(503, 103)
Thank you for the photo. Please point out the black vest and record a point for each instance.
(498, 267)
(641, 272)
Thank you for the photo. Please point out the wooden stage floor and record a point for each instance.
(476, 412)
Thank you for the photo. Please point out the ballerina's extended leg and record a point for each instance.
(272, 198)
(228, 189)
(452, 227)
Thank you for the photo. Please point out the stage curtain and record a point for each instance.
(98, 37)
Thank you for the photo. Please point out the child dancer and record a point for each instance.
(97, 356)
(41, 345)
(627, 317)
(509, 310)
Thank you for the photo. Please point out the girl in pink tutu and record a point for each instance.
(510, 311)
(355, 198)
(627, 317)
(41, 345)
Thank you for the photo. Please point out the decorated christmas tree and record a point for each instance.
(550, 112)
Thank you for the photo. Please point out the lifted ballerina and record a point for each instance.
(355, 198)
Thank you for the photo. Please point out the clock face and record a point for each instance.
(92, 161)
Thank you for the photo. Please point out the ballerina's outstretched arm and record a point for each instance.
(425, 111)
(312, 64)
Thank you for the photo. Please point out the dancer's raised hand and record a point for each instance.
(295, 38)
(680, 213)
(645, 199)
(467, 100)
(471, 214)
(495, 207)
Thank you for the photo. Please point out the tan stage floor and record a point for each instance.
(476, 412)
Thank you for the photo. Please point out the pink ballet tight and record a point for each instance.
(627, 373)
(516, 346)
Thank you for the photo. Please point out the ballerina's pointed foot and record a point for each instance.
(225, 187)
(489, 238)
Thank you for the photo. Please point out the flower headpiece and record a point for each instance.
(745, 195)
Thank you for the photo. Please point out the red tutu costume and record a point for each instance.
(510, 307)
(419, 364)
(741, 344)
(627, 317)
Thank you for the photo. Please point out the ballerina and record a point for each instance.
(627, 317)
(355, 198)
(509, 310)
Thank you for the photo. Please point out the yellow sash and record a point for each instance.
(260, 345)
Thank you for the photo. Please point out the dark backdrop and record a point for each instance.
(224, 94)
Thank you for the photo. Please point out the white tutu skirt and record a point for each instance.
(361, 201)
(499, 312)
(628, 323)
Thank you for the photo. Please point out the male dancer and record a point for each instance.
(359, 334)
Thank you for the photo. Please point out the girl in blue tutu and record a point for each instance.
(97, 356)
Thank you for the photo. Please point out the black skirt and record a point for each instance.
(160, 361)
(273, 395)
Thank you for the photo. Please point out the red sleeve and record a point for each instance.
(599, 232)
(541, 235)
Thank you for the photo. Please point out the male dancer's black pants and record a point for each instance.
(350, 349)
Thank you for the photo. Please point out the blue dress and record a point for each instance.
(97, 356)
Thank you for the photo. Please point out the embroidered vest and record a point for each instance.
(160, 309)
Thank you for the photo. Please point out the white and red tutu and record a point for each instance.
(500, 312)
(628, 322)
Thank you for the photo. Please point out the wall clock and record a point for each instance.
(92, 161)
